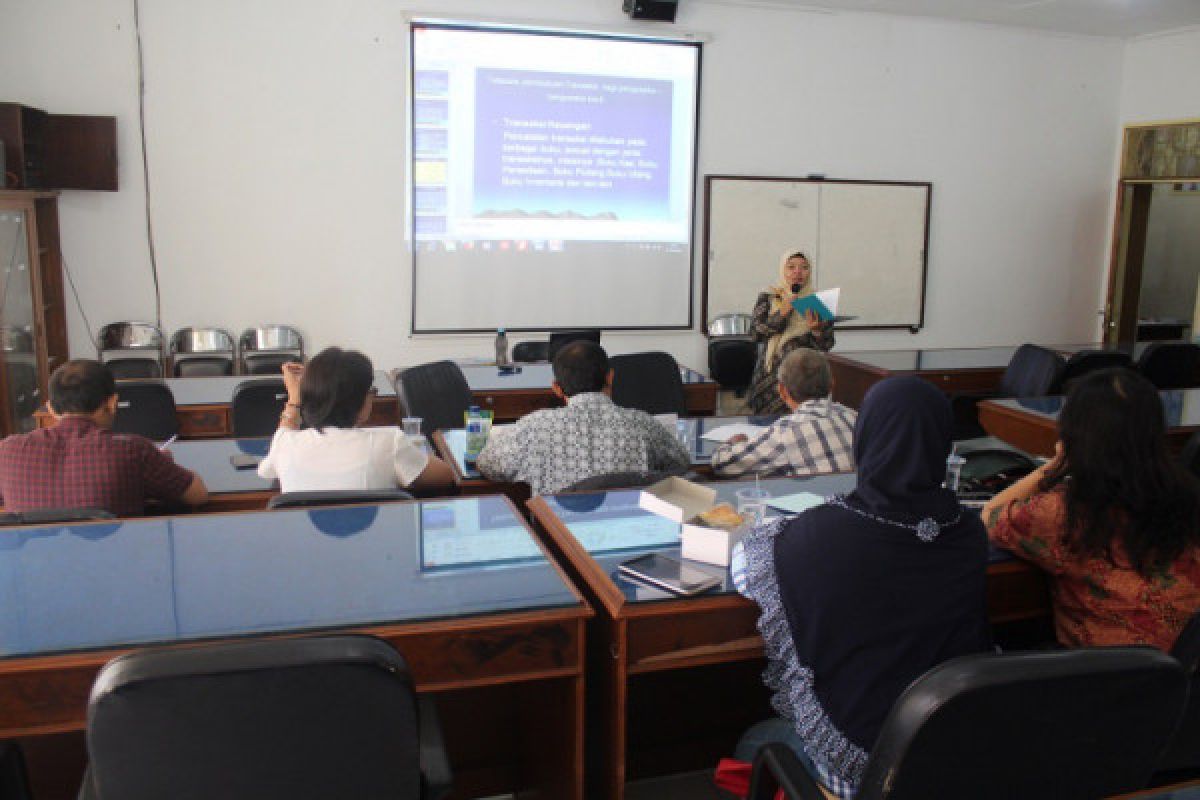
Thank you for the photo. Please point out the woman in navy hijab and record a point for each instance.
(864, 594)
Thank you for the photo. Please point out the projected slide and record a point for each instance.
(539, 157)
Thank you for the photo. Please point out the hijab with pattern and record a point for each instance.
(797, 325)
(901, 441)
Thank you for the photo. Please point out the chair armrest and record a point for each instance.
(436, 778)
(777, 767)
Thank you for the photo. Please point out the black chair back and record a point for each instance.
(14, 784)
(731, 361)
(302, 719)
(1064, 724)
(1190, 457)
(146, 408)
(1171, 365)
(336, 497)
(1085, 361)
(135, 367)
(563, 338)
(266, 363)
(618, 480)
(648, 381)
(1069, 724)
(257, 405)
(51, 516)
(1032, 372)
(530, 352)
(203, 367)
(437, 393)
(1183, 753)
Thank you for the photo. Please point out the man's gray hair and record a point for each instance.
(805, 374)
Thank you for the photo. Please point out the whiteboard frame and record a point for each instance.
(710, 180)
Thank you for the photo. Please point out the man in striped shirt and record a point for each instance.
(817, 437)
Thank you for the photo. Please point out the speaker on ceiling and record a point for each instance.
(663, 10)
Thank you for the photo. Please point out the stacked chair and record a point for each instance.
(131, 349)
(201, 353)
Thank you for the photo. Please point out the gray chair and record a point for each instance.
(263, 350)
(277, 719)
(1081, 723)
(131, 349)
(201, 353)
(1085, 362)
(437, 393)
(256, 407)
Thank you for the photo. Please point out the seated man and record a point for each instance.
(81, 463)
(555, 448)
(817, 437)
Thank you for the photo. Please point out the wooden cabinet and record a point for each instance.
(33, 325)
(57, 151)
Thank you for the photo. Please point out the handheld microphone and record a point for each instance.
(796, 288)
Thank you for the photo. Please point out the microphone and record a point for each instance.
(796, 288)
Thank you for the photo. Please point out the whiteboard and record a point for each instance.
(867, 237)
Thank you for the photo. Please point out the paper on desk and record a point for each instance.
(726, 432)
(796, 503)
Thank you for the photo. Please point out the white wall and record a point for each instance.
(1159, 78)
(276, 132)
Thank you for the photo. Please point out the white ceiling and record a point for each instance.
(1121, 18)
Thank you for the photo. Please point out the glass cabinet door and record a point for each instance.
(21, 394)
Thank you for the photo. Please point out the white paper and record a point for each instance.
(796, 503)
(830, 298)
(726, 432)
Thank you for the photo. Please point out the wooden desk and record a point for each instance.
(976, 369)
(498, 640)
(511, 397)
(1031, 423)
(646, 638)
(204, 405)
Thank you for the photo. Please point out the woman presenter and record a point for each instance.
(783, 329)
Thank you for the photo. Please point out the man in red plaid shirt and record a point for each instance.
(81, 463)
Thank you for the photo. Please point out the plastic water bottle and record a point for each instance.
(954, 467)
(476, 437)
(501, 348)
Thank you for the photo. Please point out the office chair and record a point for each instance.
(146, 408)
(1064, 724)
(563, 338)
(131, 349)
(336, 497)
(1181, 759)
(201, 353)
(437, 393)
(731, 362)
(1031, 372)
(649, 382)
(1190, 457)
(14, 783)
(264, 350)
(295, 719)
(531, 352)
(1171, 365)
(257, 404)
(1085, 361)
(51, 516)
(619, 480)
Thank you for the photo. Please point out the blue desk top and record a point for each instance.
(612, 528)
(700, 448)
(113, 584)
(218, 390)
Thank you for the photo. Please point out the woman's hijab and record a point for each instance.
(784, 287)
(901, 441)
(797, 325)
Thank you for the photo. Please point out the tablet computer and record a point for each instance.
(668, 574)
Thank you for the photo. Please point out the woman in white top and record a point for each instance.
(332, 395)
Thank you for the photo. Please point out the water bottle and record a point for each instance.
(501, 348)
(476, 437)
(954, 467)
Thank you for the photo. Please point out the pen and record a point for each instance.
(168, 442)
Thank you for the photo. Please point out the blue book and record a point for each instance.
(823, 304)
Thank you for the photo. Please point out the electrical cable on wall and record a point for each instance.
(141, 77)
(78, 303)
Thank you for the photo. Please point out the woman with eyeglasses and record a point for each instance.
(1113, 519)
(783, 329)
(320, 446)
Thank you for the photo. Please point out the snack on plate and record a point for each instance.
(721, 516)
